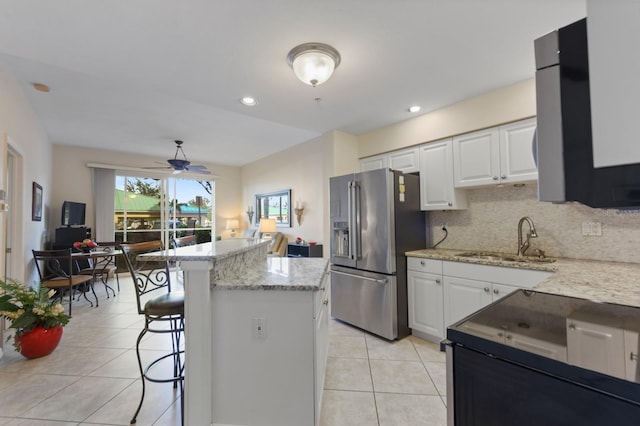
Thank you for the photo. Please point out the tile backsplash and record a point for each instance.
(491, 223)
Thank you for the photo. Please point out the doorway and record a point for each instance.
(10, 214)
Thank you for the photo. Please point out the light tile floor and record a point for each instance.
(92, 377)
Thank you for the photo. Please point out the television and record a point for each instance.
(73, 213)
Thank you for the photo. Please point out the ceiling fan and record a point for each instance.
(179, 165)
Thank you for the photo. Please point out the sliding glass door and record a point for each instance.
(150, 208)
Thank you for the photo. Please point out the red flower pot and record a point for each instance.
(39, 342)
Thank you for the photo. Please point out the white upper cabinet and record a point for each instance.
(516, 152)
(373, 163)
(404, 160)
(494, 156)
(436, 178)
(476, 158)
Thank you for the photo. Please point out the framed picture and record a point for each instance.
(36, 203)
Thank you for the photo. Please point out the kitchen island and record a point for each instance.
(256, 333)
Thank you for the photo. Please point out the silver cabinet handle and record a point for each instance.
(379, 281)
(633, 357)
(450, 204)
(509, 337)
(572, 327)
(496, 291)
(437, 281)
(503, 177)
(486, 289)
(422, 262)
(495, 178)
(326, 302)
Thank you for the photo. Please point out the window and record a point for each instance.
(163, 208)
(274, 205)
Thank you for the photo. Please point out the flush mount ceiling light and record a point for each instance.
(414, 108)
(313, 63)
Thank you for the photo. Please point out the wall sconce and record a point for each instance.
(267, 227)
(232, 224)
(250, 214)
(299, 210)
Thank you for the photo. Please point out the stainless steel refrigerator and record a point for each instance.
(375, 219)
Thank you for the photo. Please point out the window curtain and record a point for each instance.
(104, 183)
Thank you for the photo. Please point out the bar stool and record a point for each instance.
(166, 308)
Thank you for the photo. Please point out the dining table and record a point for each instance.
(100, 259)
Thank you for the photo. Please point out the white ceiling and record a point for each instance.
(133, 75)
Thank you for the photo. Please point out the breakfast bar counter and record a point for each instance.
(256, 333)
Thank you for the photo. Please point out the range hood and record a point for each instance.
(564, 139)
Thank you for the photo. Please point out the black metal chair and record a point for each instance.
(57, 271)
(168, 307)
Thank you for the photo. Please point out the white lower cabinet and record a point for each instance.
(441, 293)
(425, 308)
(463, 297)
(599, 344)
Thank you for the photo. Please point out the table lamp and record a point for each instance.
(267, 227)
(232, 224)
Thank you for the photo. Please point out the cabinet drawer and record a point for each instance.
(420, 264)
(523, 278)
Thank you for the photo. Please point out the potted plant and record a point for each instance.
(37, 318)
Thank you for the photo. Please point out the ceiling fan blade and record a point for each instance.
(196, 168)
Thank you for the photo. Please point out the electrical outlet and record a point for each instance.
(592, 229)
(259, 326)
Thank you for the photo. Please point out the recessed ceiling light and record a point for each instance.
(248, 101)
(414, 108)
(40, 87)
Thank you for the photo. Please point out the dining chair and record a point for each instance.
(56, 271)
(166, 308)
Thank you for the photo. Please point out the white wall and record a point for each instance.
(300, 169)
(18, 121)
(72, 181)
(490, 109)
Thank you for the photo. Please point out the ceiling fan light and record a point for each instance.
(313, 63)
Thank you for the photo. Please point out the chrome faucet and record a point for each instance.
(523, 247)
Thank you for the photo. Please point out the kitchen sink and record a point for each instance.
(505, 257)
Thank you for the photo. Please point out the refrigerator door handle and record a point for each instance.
(376, 280)
(352, 211)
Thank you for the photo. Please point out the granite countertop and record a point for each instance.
(207, 251)
(610, 282)
(278, 273)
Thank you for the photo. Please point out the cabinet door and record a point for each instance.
(500, 290)
(596, 347)
(406, 160)
(476, 159)
(516, 154)
(373, 163)
(425, 303)
(436, 178)
(462, 297)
